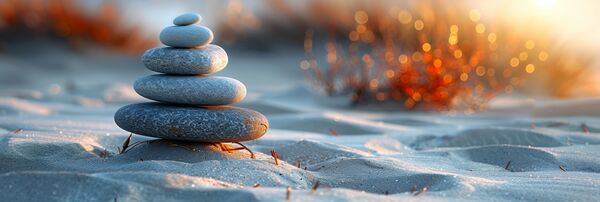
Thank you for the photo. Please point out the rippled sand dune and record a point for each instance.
(58, 150)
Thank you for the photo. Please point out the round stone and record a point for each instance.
(202, 60)
(186, 36)
(191, 123)
(191, 90)
(187, 19)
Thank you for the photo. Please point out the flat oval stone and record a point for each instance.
(186, 36)
(187, 19)
(202, 60)
(191, 90)
(191, 123)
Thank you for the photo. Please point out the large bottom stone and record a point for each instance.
(198, 124)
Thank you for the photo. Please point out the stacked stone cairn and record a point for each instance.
(191, 104)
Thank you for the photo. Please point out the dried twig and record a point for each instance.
(125, 145)
(507, 166)
(274, 155)
(298, 163)
(288, 193)
(18, 130)
(562, 168)
(315, 187)
(256, 185)
(246, 148)
(422, 190)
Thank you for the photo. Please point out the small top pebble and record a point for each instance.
(189, 36)
(187, 19)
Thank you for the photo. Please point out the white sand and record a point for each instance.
(355, 155)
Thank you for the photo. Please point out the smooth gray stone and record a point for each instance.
(187, 19)
(190, 123)
(203, 60)
(192, 90)
(186, 36)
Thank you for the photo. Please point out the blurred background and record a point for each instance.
(425, 55)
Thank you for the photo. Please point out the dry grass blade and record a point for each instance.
(557, 124)
(187, 147)
(18, 130)
(130, 147)
(224, 147)
(104, 154)
(315, 187)
(274, 155)
(422, 190)
(562, 168)
(585, 128)
(333, 132)
(507, 166)
(220, 145)
(256, 185)
(235, 149)
(246, 148)
(125, 144)
(288, 193)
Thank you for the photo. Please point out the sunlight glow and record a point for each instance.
(546, 4)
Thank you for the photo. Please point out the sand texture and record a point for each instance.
(61, 144)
